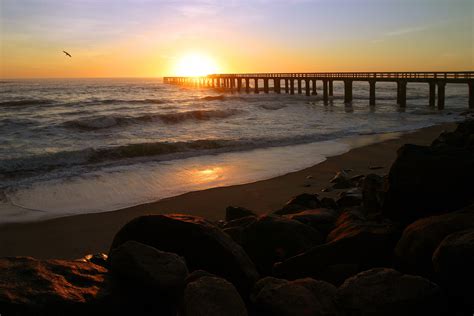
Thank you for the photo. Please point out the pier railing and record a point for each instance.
(366, 75)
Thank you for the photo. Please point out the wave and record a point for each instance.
(48, 162)
(214, 98)
(134, 101)
(25, 102)
(101, 122)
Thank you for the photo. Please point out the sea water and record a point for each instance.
(76, 146)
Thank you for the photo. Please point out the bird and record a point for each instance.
(67, 54)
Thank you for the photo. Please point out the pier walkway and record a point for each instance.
(289, 82)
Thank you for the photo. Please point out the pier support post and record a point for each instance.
(402, 93)
(372, 92)
(265, 85)
(256, 86)
(287, 86)
(432, 93)
(471, 94)
(441, 88)
(292, 86)
(299, 87)
(247, 85)
(308, 88)
(315, 91)
(347, 91)
(330, 88)
(325, 91)
(232, 84)
(239, 84)
(276, 85)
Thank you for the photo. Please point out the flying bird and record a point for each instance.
(67, 54)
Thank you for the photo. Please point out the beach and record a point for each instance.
(75, 236)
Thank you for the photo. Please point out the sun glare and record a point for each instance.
(194, 65)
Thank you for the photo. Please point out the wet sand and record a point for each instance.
(76, 236)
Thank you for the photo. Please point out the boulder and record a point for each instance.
(211, 296)
(372, 193)
(303, 297)
(100, 259)
(353, 245)
(274, 238)
(342, 181)
(420, 239)
(236, 227)
(329, 203)
(425, 181)
(232, 213)
(45, 287)
(299, 203)
(202, 244)
(461, 137)
(320, 219)
(145, 266)
(383, 291)
(453, 263)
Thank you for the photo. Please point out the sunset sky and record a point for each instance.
(145, 38)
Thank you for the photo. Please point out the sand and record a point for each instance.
(75, 236)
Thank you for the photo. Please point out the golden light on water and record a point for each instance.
(194, 65)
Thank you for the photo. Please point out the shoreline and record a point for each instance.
(77, 235)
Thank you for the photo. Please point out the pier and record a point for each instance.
(309, 83)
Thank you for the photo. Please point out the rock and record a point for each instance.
(328, 203)
(232, 213)
(375, 167)
(303, 297)
(425, 181)
(145, 266)
(202, 244)
(453, 263)
(100, 259)
(274, 238)
(458, 138)
(299, 203)
(321, 220)
(354, 244)
(241, 222)
(44, 287)
(328, 189)
(350, 198)
(420, 239)
(383, 291)
(372, 193)
(341, 181)
(210, 295)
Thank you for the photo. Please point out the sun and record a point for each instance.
(194, 65)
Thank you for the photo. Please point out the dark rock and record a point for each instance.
(424, 181)
(100, 259)
(375, 167)
(232, 213)
(321, 220)
(210, 295)
(241, 222)
(328, 203)
(202, 244)
(145, 266)
(328, 189)
(419, 240)
(383, 291)
(299, 203)
(274, 238)
(372, 193)
(354, 242)
(51, 287)
(458, 138)
(453, 263)
(303, 297)
(349, 198)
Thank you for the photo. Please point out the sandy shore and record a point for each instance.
(75, 236)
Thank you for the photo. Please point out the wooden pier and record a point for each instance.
(285, 82)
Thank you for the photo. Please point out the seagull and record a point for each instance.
(67, 54)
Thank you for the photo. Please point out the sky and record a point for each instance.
(148, 38)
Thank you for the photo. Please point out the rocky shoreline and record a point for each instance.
(389, 245)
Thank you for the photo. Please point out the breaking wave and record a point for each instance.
(101, 122)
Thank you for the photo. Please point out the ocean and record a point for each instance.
(76, 146)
